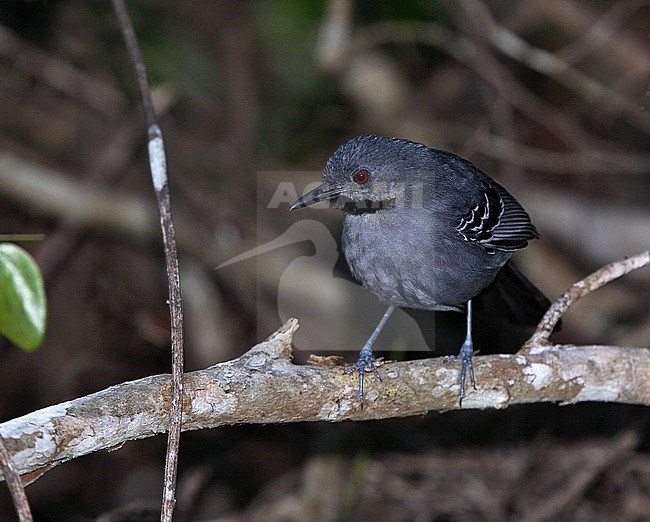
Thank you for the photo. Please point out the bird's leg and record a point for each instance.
(366, 357)
(465, 356)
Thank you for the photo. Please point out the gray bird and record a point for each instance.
(425, 229)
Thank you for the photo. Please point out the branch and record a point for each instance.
(263, 386)
(158, 167)
(547, 63)
(60, 75)
(484, 65)
(15, 485)
(592, 282)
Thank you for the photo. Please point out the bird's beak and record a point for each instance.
(320, 193)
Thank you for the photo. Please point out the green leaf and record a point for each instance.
(23, 310)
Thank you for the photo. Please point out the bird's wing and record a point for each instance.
(497, 220)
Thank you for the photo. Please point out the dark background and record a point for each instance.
(253, 93)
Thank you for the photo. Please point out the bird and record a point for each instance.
(343, 299)
(426, 230)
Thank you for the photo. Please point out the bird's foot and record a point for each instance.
(365, 363)
(465, 356)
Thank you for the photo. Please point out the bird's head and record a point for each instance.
(370, 173)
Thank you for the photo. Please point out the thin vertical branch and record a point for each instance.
(158, 167)
(14, 484)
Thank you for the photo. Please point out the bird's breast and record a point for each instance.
(416, 260)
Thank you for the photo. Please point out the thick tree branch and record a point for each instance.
(263, 386)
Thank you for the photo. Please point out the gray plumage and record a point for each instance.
(444, 228)
(427, 230)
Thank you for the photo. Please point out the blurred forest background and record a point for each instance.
(550, 97)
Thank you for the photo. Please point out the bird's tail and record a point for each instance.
(503, 316)
(514, 295)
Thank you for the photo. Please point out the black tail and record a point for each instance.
(512, 294)
(504, 314)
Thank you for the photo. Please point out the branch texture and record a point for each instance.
(264, 386)
(582, 288)
(158, 167)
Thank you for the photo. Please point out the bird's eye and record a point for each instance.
(360, 177)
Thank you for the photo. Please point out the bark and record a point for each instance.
(264, 386)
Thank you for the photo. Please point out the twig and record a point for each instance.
(646, 100)
(263, 386)
(547, 63)
(22, 237)
(59, 75)
(601, 31)
(113, 159)
(14, 484)
(580, 289)
(467, 52)
(158, 167)
(334, 34)
(587, 162)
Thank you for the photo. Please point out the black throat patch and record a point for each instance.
(367, 206)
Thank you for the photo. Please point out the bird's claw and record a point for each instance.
(465, 356)
(365, 363)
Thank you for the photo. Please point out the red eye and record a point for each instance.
(361, 176)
